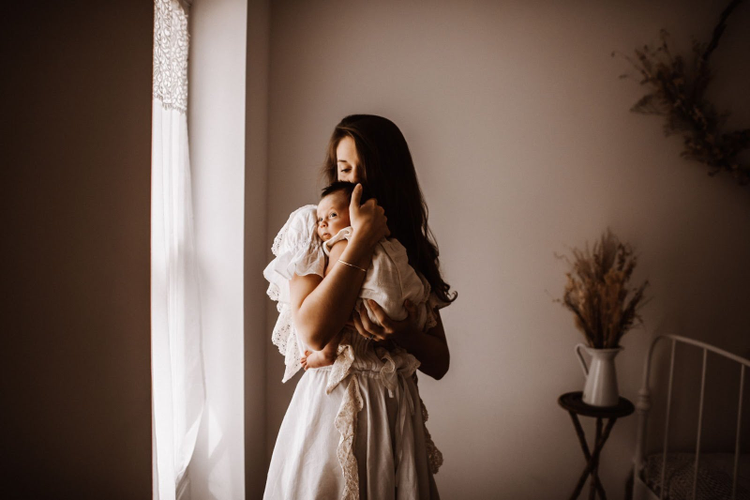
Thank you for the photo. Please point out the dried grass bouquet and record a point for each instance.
(597, 291)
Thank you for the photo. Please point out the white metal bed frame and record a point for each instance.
(644, 405)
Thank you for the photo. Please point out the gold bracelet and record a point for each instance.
(352, 265)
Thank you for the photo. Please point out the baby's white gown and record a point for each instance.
(354, 430)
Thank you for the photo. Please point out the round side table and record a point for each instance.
(573, 403)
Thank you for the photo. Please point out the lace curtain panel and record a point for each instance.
(178, 384)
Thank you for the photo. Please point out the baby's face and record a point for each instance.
(333, 215)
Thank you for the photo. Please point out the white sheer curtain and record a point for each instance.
(178, 384)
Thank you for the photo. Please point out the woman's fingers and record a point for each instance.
(371, 204)
(381, 316)
(356, 319)
(356, 198)
(368, 325)
(395, 329)
(367, 219)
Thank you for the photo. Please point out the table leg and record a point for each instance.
(586, 453)
(594, 462)
(591, 459)
(595, 470)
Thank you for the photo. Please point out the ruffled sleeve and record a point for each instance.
(343, 234)
(297, 251)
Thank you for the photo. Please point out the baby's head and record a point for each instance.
(333, 209)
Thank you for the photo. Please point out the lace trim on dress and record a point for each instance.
(434, 456)
(285, 338)
(341, 367)
(346, 418)
(346, 424)
(170, 84)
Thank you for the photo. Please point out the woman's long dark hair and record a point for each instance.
(390, 177)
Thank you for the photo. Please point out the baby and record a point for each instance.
(389, 281)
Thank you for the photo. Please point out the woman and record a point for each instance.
(356, 429)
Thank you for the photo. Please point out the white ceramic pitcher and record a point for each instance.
(601, 377)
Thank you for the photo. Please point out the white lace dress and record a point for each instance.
(354, 430)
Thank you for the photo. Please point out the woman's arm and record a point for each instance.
(321, 307)
(430, 347)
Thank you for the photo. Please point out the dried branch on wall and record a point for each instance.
(678, 92)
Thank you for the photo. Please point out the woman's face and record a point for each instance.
(347, 162)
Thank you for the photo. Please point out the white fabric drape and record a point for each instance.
(178, 384)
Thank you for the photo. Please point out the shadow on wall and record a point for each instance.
(718, 429)
(706, 300)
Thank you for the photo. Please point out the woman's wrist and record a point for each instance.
(362, 240)
(358, 253)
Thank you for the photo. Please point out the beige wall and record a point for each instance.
(524, 146)
(75, 180)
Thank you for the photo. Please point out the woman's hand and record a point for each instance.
(430, 347)
(369, 223)
(390, 329)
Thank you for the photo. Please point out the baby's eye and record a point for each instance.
(333, 215)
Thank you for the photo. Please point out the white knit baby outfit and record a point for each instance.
(390, 281)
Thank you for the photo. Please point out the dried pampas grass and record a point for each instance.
(597, 291)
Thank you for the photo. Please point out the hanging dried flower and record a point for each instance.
(597, 291)
(677, 92)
